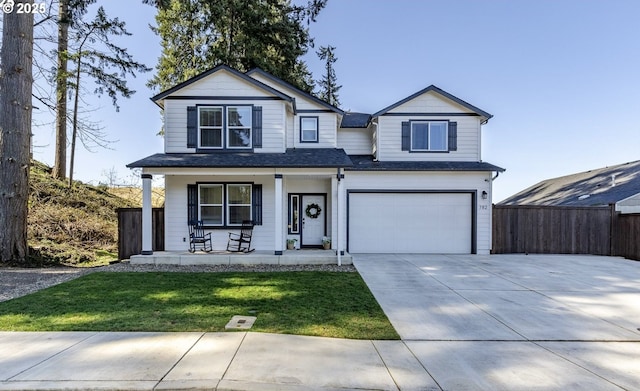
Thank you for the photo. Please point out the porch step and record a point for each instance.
(290, 257)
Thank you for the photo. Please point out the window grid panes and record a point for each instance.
(225, 126)
(225, 204)
(238, 203)
(308, 129)
(210, 120)
(239, 126)
(211, 204)
(429, 136)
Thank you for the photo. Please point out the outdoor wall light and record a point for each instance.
(484, 195)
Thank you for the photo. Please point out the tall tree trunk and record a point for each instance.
(16, 81)
(76, 101)
(60, 167)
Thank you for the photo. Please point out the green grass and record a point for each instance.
(325, 304)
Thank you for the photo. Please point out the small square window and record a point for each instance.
(309, 129)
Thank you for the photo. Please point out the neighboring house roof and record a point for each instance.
(602, 186)
(441, 92)
(312, 157)
(294, 88)
(366, 163)
(158, 98)
(355, 120)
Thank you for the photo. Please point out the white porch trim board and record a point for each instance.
(147, 233)
(279, 222)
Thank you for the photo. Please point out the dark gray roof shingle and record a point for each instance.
(355, 120)
(366, 163)
(316, 157)
(598, 187)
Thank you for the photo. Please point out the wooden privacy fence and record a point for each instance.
(516, 229)
(130, 231)
(625, 237)
(565, 230)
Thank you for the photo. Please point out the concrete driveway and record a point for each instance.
(514, 321)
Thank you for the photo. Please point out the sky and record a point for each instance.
(561, 78)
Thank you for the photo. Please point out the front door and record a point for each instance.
(313, 220)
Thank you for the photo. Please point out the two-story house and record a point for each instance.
(406, 179)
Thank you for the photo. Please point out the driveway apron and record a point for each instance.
(514, 321)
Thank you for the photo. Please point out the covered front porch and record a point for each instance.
(288, 257)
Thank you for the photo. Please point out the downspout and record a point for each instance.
(338, 216)
(495, 177)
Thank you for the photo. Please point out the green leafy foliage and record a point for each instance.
(70, 225)
(197, 35)
(328, 84)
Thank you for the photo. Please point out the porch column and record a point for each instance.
(334, 212)
(339, 215)
(147, 246)
(278, 215)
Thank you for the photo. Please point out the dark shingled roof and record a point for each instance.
(355, 120)
(598, 187)
(366, 163)
(316, 157)
(293, 158)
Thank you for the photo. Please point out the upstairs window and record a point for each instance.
(239, 126)
(308, 129)
(224, 127)
(210, 127)
(429, 136)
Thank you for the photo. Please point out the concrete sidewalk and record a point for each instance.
(207, 361)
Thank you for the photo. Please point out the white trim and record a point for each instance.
(279, 222)
(229, 127)
(316, 129)
(147, 224)
(221, 127)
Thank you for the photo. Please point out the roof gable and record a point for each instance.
(438, 91)
(226, 69)
(602, 186)
(293, 90)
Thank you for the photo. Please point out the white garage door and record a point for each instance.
(437, 223)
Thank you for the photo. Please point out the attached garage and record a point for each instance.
(411, 222)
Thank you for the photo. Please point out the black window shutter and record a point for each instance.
(192, 203)
(192, 127)
(257, 127)
(406, 136)
(453, 136)
(256, 200)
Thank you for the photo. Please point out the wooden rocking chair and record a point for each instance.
(241, 242)
(197, 237)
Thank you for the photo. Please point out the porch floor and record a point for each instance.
(289, 257)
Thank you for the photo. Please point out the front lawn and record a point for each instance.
(325, 304)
